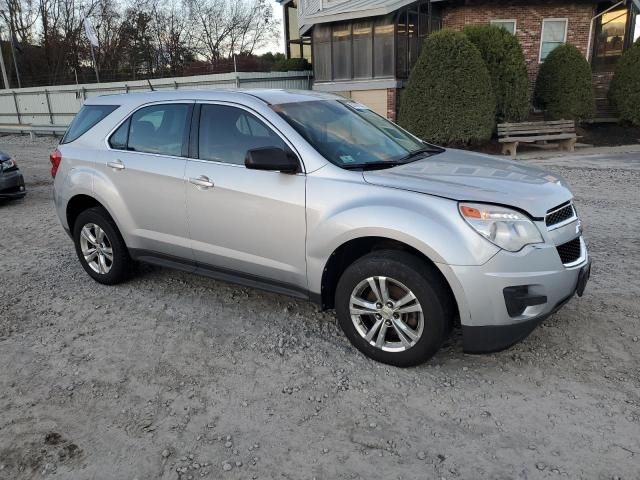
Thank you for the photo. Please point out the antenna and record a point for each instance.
(150, 86)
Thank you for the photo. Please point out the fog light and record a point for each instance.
(517, 299)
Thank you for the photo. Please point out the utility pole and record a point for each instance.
(95, 65)
(92, 36)
(13, 47)
(4, 70)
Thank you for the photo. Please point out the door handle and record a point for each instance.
(117, 165)
(201, 182)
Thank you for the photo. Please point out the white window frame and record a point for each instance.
(506, 20)
(566, 33)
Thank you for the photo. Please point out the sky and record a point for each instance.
(279, 45)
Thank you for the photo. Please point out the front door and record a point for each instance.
(243, 222)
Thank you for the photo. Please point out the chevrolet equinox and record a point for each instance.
(318, 197)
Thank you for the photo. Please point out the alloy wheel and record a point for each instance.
(386, 314)
(96, 248)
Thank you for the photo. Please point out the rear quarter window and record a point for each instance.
(86, 119)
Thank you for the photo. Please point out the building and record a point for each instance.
(364, 49)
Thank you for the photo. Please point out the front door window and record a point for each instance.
(227, 133)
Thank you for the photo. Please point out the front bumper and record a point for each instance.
(488, 322)
(12, 185)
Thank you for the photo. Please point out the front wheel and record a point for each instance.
(393, 307)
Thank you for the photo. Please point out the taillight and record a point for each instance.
(55, 158)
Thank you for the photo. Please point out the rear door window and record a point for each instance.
(120, 137)
(88, 117)
(160, 129)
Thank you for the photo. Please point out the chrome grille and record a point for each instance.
(560, 214)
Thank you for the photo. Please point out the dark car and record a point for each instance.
(11, 180)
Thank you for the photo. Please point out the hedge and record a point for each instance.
(624, 91)
(563, 87)
(448, 98)
(291, 65)
(503, 56)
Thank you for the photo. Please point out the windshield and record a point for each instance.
(352, 136)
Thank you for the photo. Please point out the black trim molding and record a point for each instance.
(226, 275)
(493, 338)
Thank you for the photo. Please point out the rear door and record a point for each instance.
(248, 223)
(146, 165)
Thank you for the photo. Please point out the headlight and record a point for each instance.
(8, 164)
(506, 228)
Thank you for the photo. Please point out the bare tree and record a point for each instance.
(21, 16)
(137, 38)
(173, 38)
(210, 20)
(228, 27)
(113, 38)
(253, 26)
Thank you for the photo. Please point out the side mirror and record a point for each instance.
(273, 159)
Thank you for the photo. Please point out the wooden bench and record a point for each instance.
(562, 132)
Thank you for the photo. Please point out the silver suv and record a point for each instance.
(318, 197)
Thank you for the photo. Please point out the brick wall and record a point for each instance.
(392, 103)
(528, 16)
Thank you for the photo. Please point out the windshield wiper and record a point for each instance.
(393, 163)
(372, 165)
(417, 153)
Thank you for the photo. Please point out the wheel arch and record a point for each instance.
(78, 204)
(353, 249)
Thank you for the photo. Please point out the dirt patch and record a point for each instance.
(174, 376)
(609, 134)
(42, 457)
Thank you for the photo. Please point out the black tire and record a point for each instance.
(122, 265)
(422, 280)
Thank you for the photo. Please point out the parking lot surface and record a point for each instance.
(175, 376)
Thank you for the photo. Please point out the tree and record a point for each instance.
(291, 65)
(503, 56)
(141, 52)
(172, 37)
(253, 26)
(22, 16)
(113, 36)
(448, 98)
(563, 87)
(226, 28)
(624, 92)
(211, 26)
(137, 39)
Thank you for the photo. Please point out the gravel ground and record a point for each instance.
(174, 376)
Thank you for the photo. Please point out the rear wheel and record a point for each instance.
(393, 307)
(100, 247)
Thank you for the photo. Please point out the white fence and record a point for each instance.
(58, 105)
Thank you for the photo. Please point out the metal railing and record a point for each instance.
(57, 105)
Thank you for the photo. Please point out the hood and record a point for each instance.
(462, 175)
